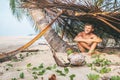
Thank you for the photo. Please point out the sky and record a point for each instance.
(9, 25)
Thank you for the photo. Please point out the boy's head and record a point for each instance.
(88, 28)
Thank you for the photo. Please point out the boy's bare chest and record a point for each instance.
(87, 36)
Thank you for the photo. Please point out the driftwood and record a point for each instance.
(57, 60)
(7, 56)
(30, 50)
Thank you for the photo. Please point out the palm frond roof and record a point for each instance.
(104, 15)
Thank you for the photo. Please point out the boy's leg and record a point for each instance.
(92, 48)
(82, 46)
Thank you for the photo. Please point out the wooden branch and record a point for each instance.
(109, 24)
(109, 17)
(110, 20)
(30, 50)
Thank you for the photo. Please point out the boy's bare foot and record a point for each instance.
(95, 52)
(89, 54)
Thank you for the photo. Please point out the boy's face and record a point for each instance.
(88, 29)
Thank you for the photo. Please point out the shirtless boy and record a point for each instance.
(87, 39)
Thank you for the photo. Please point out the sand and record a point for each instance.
(44, 55)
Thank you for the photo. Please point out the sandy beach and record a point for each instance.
(11, 70)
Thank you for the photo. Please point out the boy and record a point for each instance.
(87, 39)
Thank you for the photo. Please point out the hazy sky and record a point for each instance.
(9, 25)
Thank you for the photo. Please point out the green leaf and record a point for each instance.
(19, 69)
(35, 77)
(11, 65)
(15, 60)
(34, 68)
(21, 56)
(29, 65)
(21, 75)
(72, 76)
(54, 66)
(41, 72)
(27, 54)
(110, 52)
(41, 66)
(93, 76)
(105, 70)
(14, 79)
(70, 51)
(49, 68)
(60, 73)
(115, 78)
(89, 64)
(34, 73)
(66, 70)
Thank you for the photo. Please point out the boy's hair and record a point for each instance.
(88, 24)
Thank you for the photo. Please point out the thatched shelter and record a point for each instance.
(104, 15)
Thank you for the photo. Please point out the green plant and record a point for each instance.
(115, 78)
(72, 76)
(101, 62)
(60, 72)
(41, 66)
(18, 69)
(15, 59)
(93, 76)
(34, 72)
(111, 52)
(35, 77)
(66, 70)
(21, 75)
(35, 68)
(29, 65)
(49, 68)
(28, 54)
(54, 66)
(41, 72)
(63, 73)
(21, 56)
(10, 65)
(105, 70)
(69, 51)
(89, 64)
(14, 79)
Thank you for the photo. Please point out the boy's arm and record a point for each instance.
(96, 39)
(79, 38)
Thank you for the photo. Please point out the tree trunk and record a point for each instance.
(51, 36)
